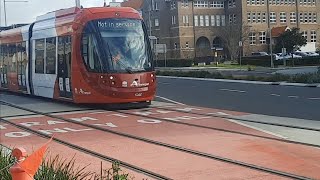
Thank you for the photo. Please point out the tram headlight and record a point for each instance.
(151, 75)
(111, 77)
(113, 83)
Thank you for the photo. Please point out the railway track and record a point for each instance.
(220, 129)
(178, 148)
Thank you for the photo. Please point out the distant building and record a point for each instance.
(205, 27)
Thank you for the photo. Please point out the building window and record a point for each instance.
(200, 4)
(293, 18)
(51, 55)
(262, 2)
(252, 38)
(273, 17)
(252, 2)
(248, 2)
(264, 17)
(39, 52)
(175, 45)
(196, 20)
(185, 3)
(223, 20)
(156, 22)
(187, 44)
(283, 17)
(218, 20)
(301, 17)
(173, 4)
(249, 17)
(201, 21)
(156, 7)
(217, 4)
(230, 18)
(258, 2)
(305, 34)
(313, 36)
(231, 3)
(213, 20)
(207, 20)
(234, 17)
(262, 37)
(258, 17)
(305, 17)
(314, 18)
(173, 20)
(253, 17)
(310, 18)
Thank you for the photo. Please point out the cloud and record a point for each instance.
(27, 12)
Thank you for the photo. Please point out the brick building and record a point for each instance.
(215, 27)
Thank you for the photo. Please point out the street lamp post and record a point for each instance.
(270, 33)
(5, 11)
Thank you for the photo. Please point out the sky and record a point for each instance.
(26, 12)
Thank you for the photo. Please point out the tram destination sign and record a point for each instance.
(116, 24)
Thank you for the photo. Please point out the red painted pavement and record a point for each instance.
(304, 161)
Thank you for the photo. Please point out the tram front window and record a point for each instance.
(121, 45)
(125, 43)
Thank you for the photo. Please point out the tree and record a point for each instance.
(232, 34)
(292, 40)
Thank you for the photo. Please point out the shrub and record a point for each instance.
(174, 63)
(58, 168)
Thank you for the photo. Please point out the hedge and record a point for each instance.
(174, 63)
(265, 61)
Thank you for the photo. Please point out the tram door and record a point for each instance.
(64, 66)
(4, 66)
(22, 66)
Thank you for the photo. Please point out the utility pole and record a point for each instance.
(270, 33)
(0, 13)
(194, 32)
(5, 10)
(78, 3)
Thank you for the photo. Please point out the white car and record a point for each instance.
(312, 54)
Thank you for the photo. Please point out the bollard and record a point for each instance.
(16, 171)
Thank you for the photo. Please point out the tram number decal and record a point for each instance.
(68, 84)
(61, 84)
(19, 80)
(138, 94)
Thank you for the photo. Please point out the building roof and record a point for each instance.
(277, 31)
(135, 4)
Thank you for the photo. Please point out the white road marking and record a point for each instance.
(278, 95)
(233, 90)
(258, 129)
(293, 96)
(314, 98)
(175, 102)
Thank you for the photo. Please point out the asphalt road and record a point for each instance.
(282, 101)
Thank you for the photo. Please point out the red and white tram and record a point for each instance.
(90, 55)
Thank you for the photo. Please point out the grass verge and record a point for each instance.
(308, 78)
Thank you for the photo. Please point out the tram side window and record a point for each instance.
(64, 55)
(39, 47)
(51, 56)
(89, 53)
(13, 58)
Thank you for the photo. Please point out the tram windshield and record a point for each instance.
(121, 45)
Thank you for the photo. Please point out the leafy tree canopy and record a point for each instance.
(292, 40)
